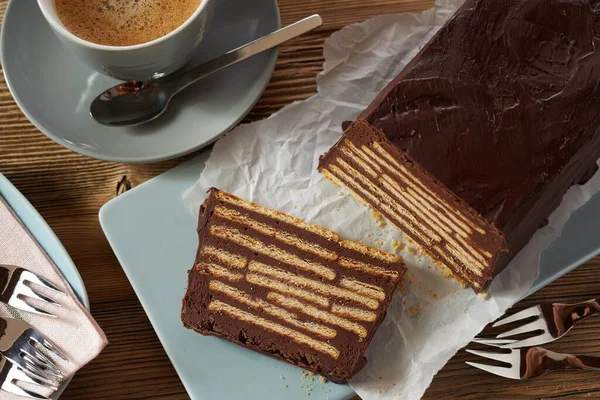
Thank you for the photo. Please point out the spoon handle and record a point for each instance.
(248, 50)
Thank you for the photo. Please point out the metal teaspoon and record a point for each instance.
(137, 102)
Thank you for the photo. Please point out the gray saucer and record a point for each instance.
(54, 89)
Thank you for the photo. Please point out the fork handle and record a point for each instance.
(581, 361)
(571, 314)
(555, 361)
(537, 360)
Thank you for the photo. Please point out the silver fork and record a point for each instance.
(11, 375)
(529, 362)
(551, 321)
(24, 346)
(15, 288)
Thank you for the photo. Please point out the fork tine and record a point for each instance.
(504, 357)
(42, 340)
(38, 375)
(41, 362)
(49, 285)
(40, 311)
(530, 327)
(526, 313)
(25, 290)
(494, 342)
(34, 395)
(21, 304)
(42, 382)
(19, 391)
(41, 296)
(529, 342)
(492, 369)
(30, 276)
(32, 372)
(38, 356)
(16, 374)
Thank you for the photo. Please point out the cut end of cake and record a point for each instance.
(386, 179)
(293, 290)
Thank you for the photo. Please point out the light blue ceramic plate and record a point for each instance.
(154, 237)
(54, 89)
(36, 225)
(46, 238)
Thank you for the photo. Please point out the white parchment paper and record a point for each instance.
(273, 162)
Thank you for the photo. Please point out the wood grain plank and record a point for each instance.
(339, 13)
(68, 189)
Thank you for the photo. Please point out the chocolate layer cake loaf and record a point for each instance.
(474, 144)
(293, 290)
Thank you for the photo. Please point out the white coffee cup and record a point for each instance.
(141, 61)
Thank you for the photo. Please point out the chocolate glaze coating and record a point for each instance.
(502, 107)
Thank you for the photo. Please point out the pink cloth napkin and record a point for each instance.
(74, 331)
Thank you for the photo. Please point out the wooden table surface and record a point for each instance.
(68, 190)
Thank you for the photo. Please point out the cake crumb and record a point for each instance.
(449, 274)
(379, 377)
(323, 379)
(340, 193)
(415, 251)
(484, 295)
(286, 386)
(379, 219)
(414, 310)
(432, 294)
(446, 271)
(387, 388)
(397, 246)
(311, 373)
(401, 286)
(281, 377)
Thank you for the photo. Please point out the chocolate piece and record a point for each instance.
(292, 290)
(474, 144)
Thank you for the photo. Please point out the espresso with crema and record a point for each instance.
(123, 22)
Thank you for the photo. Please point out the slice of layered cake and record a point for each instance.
(474, 144)
(292, 290)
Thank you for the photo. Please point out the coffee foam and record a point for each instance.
(123, 22)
